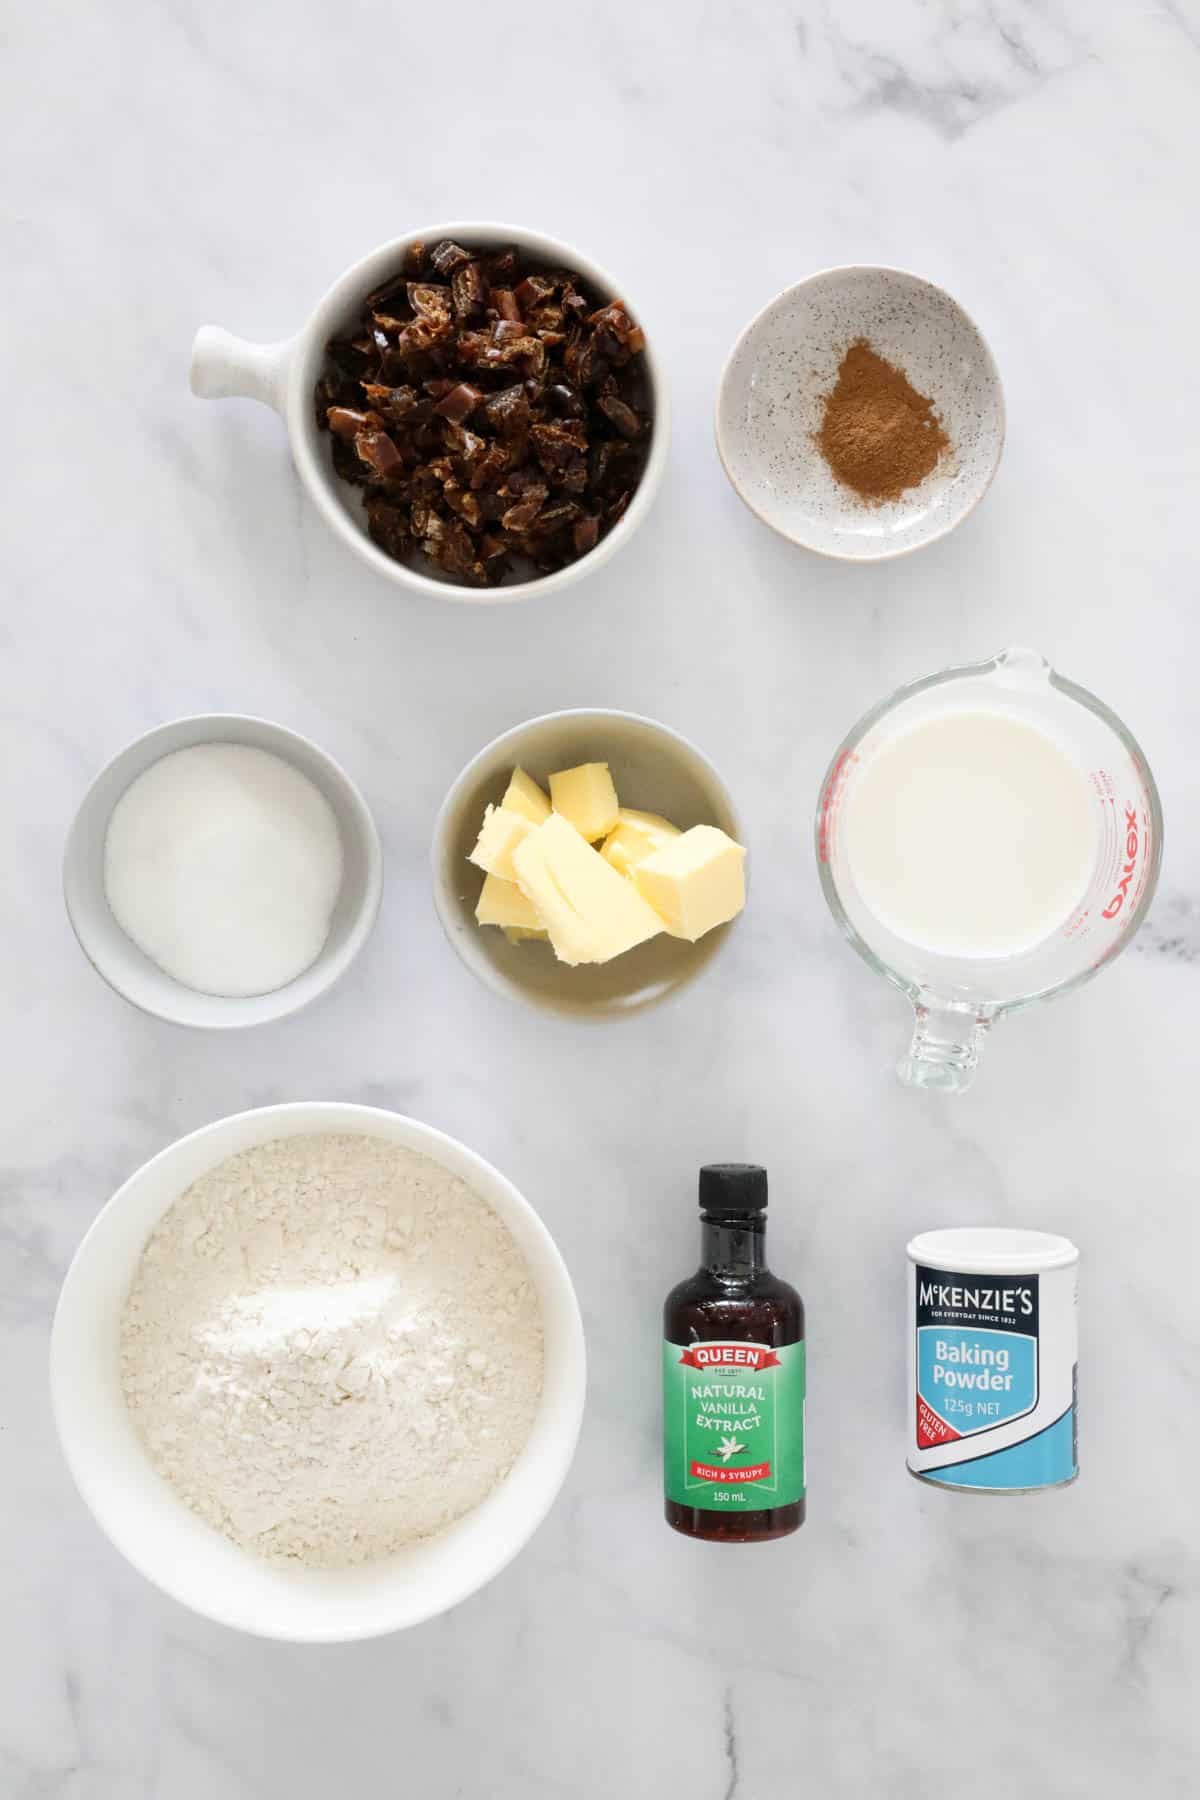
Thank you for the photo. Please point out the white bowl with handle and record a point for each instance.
(182, 1553)
(284, 375)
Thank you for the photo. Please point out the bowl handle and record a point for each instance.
(224, 367)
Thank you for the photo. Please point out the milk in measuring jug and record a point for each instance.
(970, 834)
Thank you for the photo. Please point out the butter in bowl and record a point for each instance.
(588, 862)
(596, 879)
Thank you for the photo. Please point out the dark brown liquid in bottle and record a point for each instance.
(733, 1295)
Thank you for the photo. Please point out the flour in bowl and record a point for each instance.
(331, 1348)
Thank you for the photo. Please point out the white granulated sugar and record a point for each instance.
(331, 1347)
(223, 863)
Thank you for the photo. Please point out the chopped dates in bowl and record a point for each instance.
(497, 413)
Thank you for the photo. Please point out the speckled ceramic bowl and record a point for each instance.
(772, 397)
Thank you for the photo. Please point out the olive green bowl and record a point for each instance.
(655, 770)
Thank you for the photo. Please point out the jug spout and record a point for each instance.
(945, 1048)
(1018, 666)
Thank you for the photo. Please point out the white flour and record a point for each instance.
(331, 1347)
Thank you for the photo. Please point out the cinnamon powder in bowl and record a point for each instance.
(860, 414)
(878, 435)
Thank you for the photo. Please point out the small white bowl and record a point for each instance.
(127, 969)
(771, 402)
(655, 770)
(284, 375)
(184, 1555)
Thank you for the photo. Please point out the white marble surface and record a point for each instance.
(173, 164)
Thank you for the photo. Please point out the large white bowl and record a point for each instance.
(186, 1557)
(128, 970)
(283, 375)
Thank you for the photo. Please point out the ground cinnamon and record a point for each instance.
(878, 435)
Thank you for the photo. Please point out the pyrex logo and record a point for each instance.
(1131, 852)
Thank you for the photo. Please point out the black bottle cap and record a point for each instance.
(735, 1190)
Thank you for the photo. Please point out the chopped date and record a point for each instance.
(495, 413)
(393, 405)
(468, 291)
(586, 534)
(376, 449)
(592, 364)
(459, 403)
(466, 444)
(533, 290)
(521, 514)
(378, 299)
(347, 465)
(349, 358)
(503, 303)
(428, 301)
(575, 475)
(344, 422)
(509, 411)
(556, 447)
(546, 320)
(502, 265)
(491, 468)
(448, 256)
(533, 353)
(563, 512)
(566, 401)
(388, 525)
(621, 415)
(524, 481)
(462, 501)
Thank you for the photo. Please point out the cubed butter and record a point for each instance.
(586, 798)
(695, 882)
(591, 912)
(634, 837)
(499, 836)
(524, 796)
(503, 903)
(520, 934)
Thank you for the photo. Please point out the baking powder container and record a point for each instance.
(992, 1359)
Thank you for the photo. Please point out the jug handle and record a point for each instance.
(945, 1048)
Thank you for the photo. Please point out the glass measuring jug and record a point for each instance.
(957, 996)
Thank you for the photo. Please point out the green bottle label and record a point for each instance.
(733, 1425)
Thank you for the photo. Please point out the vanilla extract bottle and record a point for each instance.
(733, 1376)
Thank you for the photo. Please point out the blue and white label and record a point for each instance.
(974, 1380)
(992, 1377)
(1048, 1459)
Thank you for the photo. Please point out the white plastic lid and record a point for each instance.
(992, 1250)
